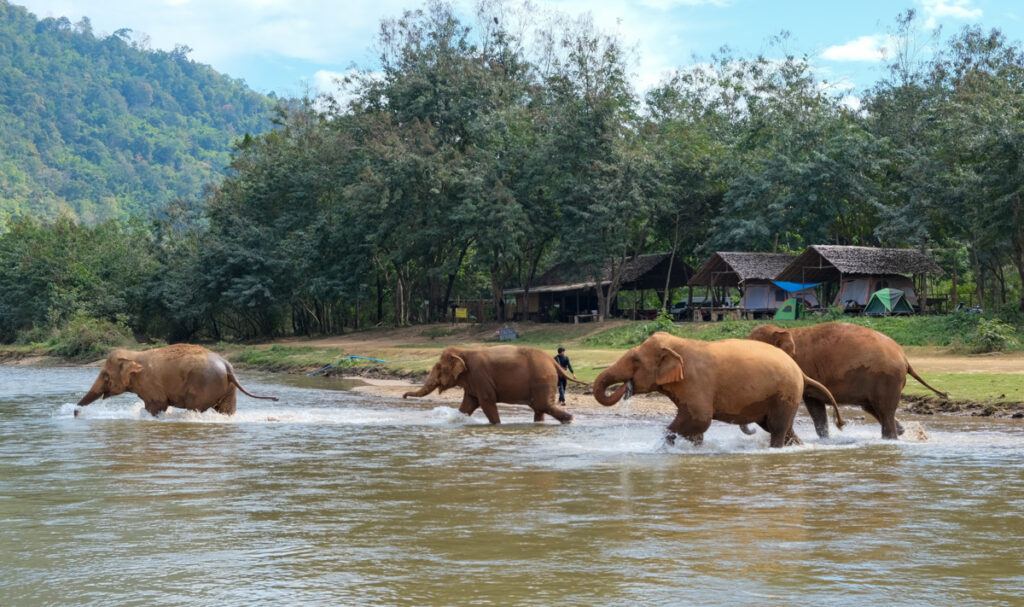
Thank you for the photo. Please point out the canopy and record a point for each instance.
(793, 287)
(888, 301)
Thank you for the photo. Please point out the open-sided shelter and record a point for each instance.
(752, 275)
(566, 290)
(856, 272)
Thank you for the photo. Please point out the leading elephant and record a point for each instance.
(500, 374)
(858, 365)
(182, 375)
(732, 380)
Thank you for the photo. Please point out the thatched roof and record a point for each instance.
(642, 272)
(827, 262)
(730, 269)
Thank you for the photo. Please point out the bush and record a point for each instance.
(88, 338)
(991, 335)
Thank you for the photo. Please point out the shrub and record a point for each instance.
(991, 335)
(88, 338)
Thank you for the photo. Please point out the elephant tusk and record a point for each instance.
(629, 391)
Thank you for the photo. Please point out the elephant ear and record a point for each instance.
(783, 340)
(453, 365)
(670, 367)
(128, 369)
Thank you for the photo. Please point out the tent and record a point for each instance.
(884, 302)
(791, 309)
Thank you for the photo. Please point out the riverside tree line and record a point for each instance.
(481, 153)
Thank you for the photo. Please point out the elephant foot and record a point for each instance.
(670, 438)
(899, 428)
(792, 439)
(565, 420)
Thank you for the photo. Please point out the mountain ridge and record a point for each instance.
(100, 126)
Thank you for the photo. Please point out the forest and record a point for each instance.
(103, 127)
(482, 151)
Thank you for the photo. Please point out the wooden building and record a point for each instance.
(851, 274)
(565, 293)
(752, 276)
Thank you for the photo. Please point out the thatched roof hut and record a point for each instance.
(731, 269)
(570, 288)
(860, 271)
(752, 275)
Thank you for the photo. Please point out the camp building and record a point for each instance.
(852, 274)
(752, 275)
(565, 293)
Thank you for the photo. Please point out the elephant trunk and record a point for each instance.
(424, 390)
(609, 377)
(97, 390)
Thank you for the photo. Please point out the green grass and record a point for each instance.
(287, 358)
(953, 330)
(980, 387)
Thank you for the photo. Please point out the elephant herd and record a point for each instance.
(760, 380)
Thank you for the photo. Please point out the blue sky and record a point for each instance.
(294, 46)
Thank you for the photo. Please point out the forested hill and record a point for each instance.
(102, 126)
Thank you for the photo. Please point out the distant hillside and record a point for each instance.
(102, 127)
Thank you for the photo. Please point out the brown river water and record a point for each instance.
(336, 498)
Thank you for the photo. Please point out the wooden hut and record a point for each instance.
(566, 293)
(751, 274)
(854, 273)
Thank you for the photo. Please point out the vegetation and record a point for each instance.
(480, 154)
(103, 127)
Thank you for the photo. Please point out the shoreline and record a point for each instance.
(386, 382)
(650, 405)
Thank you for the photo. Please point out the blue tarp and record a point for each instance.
(794, 287)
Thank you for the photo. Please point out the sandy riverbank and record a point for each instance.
(655, 405)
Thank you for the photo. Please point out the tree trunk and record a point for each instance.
(671, 260)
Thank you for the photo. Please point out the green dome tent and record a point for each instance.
(884, 302)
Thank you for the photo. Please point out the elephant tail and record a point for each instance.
(914, 374)
(563, 374)
(234, 381)
(823, 393)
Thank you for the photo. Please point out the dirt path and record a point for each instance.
(936, 360)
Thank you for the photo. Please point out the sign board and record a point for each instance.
(461, 313)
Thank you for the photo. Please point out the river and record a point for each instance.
(335, 498)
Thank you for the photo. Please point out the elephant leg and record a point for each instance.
(890, 427)
(469, 404)
(156, 408)
(538, 416)
(559, 413)
(819, 415)
(226, 406)
(491, 411)
(690, 427)
(792, 438)
(780, 424)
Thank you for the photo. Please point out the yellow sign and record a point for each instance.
(462, 313)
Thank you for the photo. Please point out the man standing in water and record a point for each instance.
(563, 361)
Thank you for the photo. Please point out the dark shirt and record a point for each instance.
(563, 361)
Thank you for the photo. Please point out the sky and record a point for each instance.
(293, 47)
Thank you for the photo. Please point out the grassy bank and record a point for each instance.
(411, 351)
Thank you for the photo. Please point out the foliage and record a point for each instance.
(481, 153)
(103, 126)
(991, 335)
(83, 337)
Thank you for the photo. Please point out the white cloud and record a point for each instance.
(664, 5)
(865, 48)
(290, 36)
(935, 10)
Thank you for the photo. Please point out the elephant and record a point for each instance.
(499, 374)
(860, 366)
(732, 380)
(182, 375)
